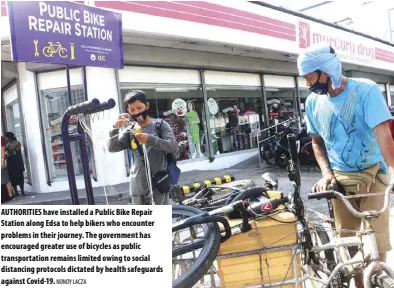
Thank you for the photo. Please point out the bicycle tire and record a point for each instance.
(47, 51)
(325, 239)
(208, 253)
(269, 156)
(382, 281)
(278, 158)
(62, 49)
(267, 153)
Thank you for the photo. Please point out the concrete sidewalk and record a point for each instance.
(119, 194)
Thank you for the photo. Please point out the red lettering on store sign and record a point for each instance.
(306, 38)
(304, 33)
(3, 8)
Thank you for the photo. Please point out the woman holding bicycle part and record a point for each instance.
(148, 150)
(349, 123)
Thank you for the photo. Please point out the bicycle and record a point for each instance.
(276, 149)
(53, 49)
(324, 260)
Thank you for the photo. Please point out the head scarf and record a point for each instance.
(318, 57)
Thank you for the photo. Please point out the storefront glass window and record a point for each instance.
(281, 99)
(304, 93)
(14, 125)
(182, 108)
(55, 103)
(281, 103)
(235, 117)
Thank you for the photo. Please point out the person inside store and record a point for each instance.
(157, 148)
(15, 163)
(193, 128)
(5, 178)
(349, 123)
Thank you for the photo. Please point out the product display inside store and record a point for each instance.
(55, 104)
(237, 120)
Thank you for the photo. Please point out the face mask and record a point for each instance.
(140, 116)
(319, 88)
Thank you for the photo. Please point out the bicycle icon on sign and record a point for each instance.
(53, 49)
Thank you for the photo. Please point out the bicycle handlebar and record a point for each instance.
(83, 107)
(319, 195)
(104, 106)
(91, 107)
(365, 214)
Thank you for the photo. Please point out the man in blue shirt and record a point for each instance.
(348, 120)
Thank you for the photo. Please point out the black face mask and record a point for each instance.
(319, 88)
(140, 116)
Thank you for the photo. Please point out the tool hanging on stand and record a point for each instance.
(83, 109)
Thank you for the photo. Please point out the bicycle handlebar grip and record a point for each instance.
(267, 206)
(291, 139)
(84, 107)
(319, 195)
(104, 106)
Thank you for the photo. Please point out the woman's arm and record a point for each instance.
(16, 146)
(2, 157)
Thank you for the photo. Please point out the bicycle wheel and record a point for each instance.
(47, 51)
(279, 154)
(267, 152)
(325, 239)
(382, 280)
(327, 258)
(63, 52)
(196, 267)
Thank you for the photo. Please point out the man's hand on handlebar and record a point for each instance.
(327, 181)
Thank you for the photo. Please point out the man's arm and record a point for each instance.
(116, 144)
(319, 148)
(386, 145)
(168, 142)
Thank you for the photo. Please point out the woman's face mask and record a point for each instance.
(319, 88)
